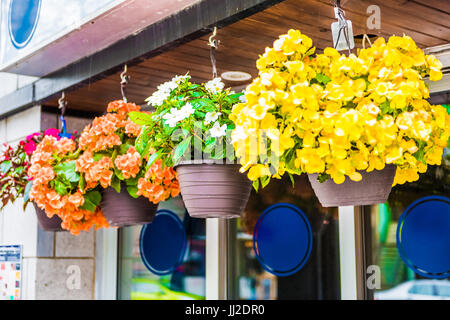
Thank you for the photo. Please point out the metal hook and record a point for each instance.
(123, 76)
(62, 103)
(213, 42)
(123, 82)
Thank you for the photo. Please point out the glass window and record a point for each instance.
(384, 220)
(319, 277)
(186, 283)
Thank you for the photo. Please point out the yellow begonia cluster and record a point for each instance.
(334, 114)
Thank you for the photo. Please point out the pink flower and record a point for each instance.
(29, 137)
(30, 147)
(52, 132)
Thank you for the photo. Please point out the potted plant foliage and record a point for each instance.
(57, 188)
(189, 130)
(355, 124)
(110, 161)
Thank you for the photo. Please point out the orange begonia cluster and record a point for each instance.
(103, 137)
(95, 171)
(49, 153)
(159, 183)
(104, 134)
(129, 163)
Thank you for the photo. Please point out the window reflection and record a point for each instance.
(188, 280)
(319, 278)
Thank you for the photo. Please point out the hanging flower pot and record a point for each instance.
(112, 163)
(46, 223)
(341, 118)
(192, 120)
(213, 190)
(373, 188)
(121, 210)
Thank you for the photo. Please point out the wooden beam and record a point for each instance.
(186, 25)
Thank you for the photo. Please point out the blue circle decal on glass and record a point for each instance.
(23, 19)
(163, 243)
(423, 237)
(282, 239)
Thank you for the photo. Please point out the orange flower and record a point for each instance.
(159, 184)
(67, 207)
(129, 164)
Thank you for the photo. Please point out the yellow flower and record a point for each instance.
(258, 171)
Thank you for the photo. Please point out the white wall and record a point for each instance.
(18, 226)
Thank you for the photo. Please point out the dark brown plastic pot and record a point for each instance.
(121, 209)
(212, 190)
(374, 188)
(46, 223)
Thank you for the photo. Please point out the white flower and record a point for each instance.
(179, 79)
(238, 134)
(211, 117)
(243, 99)
(157, 98)
(214, 86)
(218, 131)
(186, 111)
(171, 117)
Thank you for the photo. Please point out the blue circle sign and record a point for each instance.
(163, 243)
(423, 237)
(282, 239)
(23, 19)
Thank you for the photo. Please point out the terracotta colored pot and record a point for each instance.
(46, 223)
(213, 190)
(121, 209)
(374, 188)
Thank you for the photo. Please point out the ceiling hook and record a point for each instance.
(213, 42)
(123, 76)
(62, 101)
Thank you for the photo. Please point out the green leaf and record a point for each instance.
(91, 200)
(82, 183)
(323, 177)
(142, 140)
(321, 78)
(180, 150)
(26, 194)
(100, 155)
(140, 118)
(19, 170)
(291, 177)
(60, 187)
(132, 190)
(385, 107)
(5, 166)
(124, 148)
(264, 181)
(115, 183)
(153, 158)
(256, 184)
(68, 171)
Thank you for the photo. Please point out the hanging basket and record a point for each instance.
(46, 223)
(121, 209)
(212, 190)
(374, 188)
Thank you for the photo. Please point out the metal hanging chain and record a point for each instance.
(343, 25)
(124, 78)
(214, 44)
(62, 104)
